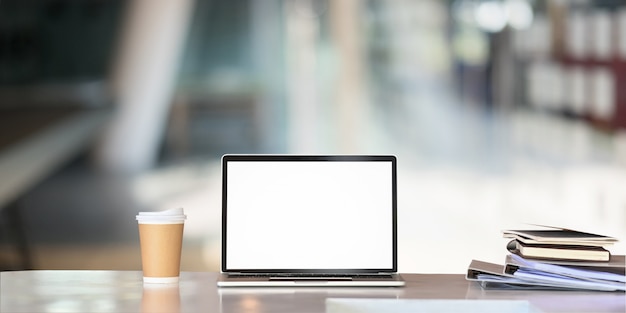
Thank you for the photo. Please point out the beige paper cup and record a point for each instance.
(161, 240)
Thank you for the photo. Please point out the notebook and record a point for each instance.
(309, 220)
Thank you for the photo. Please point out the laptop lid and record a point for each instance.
(309, 214)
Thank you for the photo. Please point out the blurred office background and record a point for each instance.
(501, 113)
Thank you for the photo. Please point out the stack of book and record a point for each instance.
(559, 244)
(554, 259)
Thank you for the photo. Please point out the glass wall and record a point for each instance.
(501, 112)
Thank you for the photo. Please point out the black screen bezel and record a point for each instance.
(317, 158)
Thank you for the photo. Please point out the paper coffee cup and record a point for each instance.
(161, 240)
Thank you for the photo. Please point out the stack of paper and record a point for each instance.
(519, 273)
(551, 273)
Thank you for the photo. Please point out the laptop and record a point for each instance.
(309, 221)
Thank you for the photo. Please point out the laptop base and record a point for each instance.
(389, 280)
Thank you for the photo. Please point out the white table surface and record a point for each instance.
(124, 291)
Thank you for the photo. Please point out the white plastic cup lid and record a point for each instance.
(171, 215)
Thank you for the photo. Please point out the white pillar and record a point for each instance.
(351, 103)
(143, 79)
(302, 38)
(268, 55)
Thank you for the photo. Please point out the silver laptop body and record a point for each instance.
(309, 220)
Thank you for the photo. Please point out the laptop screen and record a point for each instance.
(309, 213)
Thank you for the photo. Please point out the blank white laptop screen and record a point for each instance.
(309, 215)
